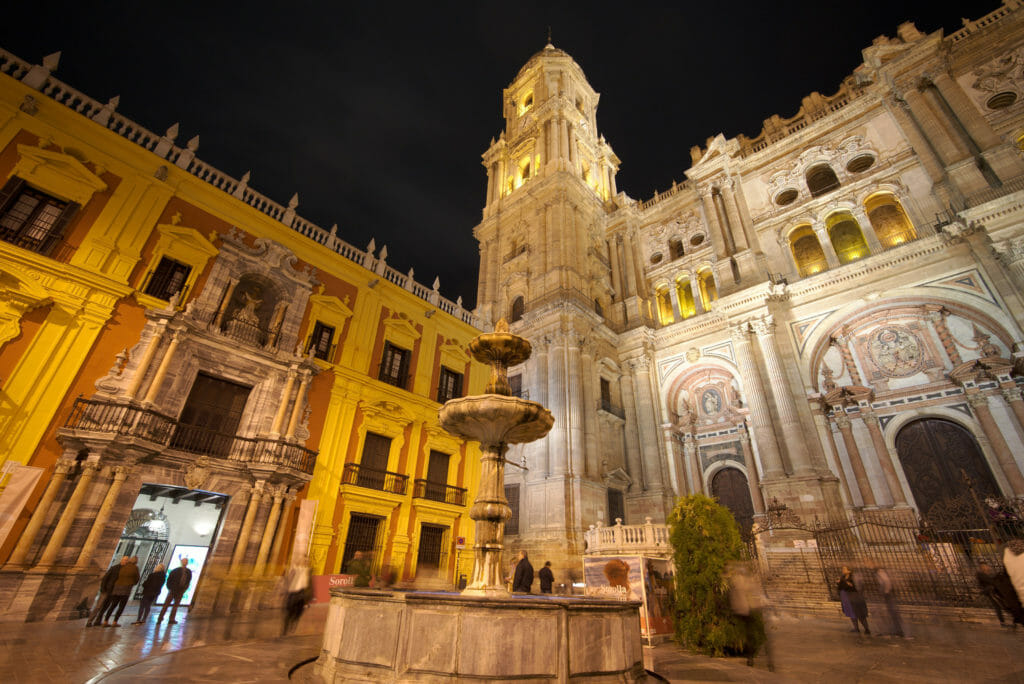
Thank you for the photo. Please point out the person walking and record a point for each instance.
(854, 605)
(298, 592)
(106, 586)
(150, 590)
(177, 583)
(747, 601)
(998, 589)
(127, 577)
(360, 567)
(885, 585)
(1013, 561)
(522, 580)
(546, 577)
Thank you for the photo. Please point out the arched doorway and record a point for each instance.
(932, 452)
(729, 486)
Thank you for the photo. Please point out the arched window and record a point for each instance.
(684, 293)
(820, 179)
(665, 314)
(889, 220)
(525, 103)
(808, 255)
(846, 236)
(706, 284)
(516, 312)
(675, 248)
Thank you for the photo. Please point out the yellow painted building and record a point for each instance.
(189, 369)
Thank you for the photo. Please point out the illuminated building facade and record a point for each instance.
(827, 314)
(189, 369)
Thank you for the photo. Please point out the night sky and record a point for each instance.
(377, 113)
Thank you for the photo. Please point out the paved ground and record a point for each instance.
(250, 650)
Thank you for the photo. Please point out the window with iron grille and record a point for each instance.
(431, 546)
(364, 534)
(32, 219)
(167, 278)
(616, 506)
(512, 494)
(394, 365)
(515, 384)
(450, 385)
(321, 340)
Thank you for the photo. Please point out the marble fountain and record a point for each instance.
(483, 633)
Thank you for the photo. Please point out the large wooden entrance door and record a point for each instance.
(933, 452)
(729, 486)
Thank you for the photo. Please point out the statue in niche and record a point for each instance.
(711, 400)
(247, 312)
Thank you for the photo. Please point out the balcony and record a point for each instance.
(649, 539)
(608, 407)
(371, 478)
(436, 491)
(126, 420)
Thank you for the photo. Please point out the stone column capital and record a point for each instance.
(91, 467)
(739, 332)
(63, 466)
(842, 421)
(763, 326)
(977, 400)
(869, 418)
(120, 472)
(1011, 394)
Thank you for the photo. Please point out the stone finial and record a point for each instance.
(188, 154)
(437, 284)
(383, 253)
(334, 230)
(243, 183)
(458, 302)
(294, 201)
(51, 61)
(172, 131)
(372, 247)
(166, 142)
(411, 275)
(102, 117)
(193, 144)
(36, 76)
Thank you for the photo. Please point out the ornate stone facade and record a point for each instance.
(784, 315)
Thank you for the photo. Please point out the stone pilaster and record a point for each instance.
(753, 480)
(99, 523)
(165, 364)
(979, 404)
(856, 462)
(28, 536)
(242, 541)
(67, 516)
(760, 415)
(277, 493)
(892, 481)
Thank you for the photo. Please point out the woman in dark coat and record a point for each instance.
(150, 590)
(854, 606)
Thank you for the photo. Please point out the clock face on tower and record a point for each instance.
(896, 351)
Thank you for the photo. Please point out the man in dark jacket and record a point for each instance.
(546, 577)
(522, 580)
(106, 586)
(177, 583)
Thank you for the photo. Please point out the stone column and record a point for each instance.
(268, 532)
(591, 429)
(283, 406)
(698, 301)
(780, 388)
(760, 415)
(613, 259)
(634, 461)
(242, 542)
(574, 413)
(647, 423)
(826, 244)
(856, 464)
(99, 523)
(692, 456)
(147, 359)
(739, 236)
(293, 424)
(825, 428)
(979, 403)
(558, 381)
(28, 536)
(1010, 254)
(884, 458)
(1013, 397)
(753, 481)
(973, 122)
(67, 517)
(868, 230)
(937, 134)
(228, 293)
(938, 319)
(677, 314)
(282, 531)
(161, 371)
(711, 216)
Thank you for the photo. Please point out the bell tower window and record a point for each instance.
(526, 103)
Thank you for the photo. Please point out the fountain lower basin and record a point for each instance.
(375, 636)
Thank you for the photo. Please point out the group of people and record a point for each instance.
(522, 576)
(116, 586)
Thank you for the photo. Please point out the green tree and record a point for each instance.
(705, 539)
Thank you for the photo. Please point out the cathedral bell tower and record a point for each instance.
(545, 268)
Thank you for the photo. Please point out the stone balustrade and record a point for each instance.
(649, 539)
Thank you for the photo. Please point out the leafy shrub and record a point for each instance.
(705, 539)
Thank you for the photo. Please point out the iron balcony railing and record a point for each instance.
(134, 421)
(437, 491)
(371, 478)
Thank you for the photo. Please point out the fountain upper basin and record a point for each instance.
(496, 419)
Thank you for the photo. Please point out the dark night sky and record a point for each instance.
(377, 113)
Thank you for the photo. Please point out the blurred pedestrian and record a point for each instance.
(151, 587)
(522, 580)
(747, 601)
(298, 593)
(998, 589)
(127, 577)
(854, 605)
(1013, 561)
(177, 584)
(360, 567)
(885, 586)
(106, 586)
(546, 577)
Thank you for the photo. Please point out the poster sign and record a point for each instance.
(322, 585)
(460, 542)
(21, 481)
(635, 578)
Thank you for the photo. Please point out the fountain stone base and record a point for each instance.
(374, 636)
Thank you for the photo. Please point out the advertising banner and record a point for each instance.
(21, 481)
(635, 578)
(322, 585)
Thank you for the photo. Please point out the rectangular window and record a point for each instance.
(512, 494)
(364, 534)
(431, 554)
(437, 476)
(321, 340)
(394, 365)
(616, 506)
(32, 219)
(515, 383)
(450, 385)
(606, 392)
(167, 279)
(209, 422)
(374, 463)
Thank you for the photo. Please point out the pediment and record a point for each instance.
(331, 307)
(401, 330)
(57, 173)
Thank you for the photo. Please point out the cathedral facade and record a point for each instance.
(825, 317)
